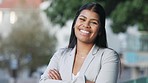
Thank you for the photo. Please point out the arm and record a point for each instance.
(53, 64)
(109, 68)
(54, 74)
(51, 74)
(55, 78)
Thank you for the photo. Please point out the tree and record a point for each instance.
(62, 10)
(128, 13)
(59, 12)
(123, 12)
(30, 41)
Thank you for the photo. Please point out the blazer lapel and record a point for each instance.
(70, 61)
(69, 64)
(89, 58)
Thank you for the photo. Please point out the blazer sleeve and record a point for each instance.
(110, 66)
(54, 64)
(80, 79)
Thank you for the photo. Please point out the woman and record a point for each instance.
(87, 58)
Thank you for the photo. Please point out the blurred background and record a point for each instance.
(32, 30)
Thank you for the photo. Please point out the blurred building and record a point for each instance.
(8, 9)
(20, 3)
(135, 56)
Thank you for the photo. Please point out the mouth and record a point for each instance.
(84, 31)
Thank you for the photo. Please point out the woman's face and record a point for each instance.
(87, 26)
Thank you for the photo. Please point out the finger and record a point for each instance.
(53, 74)
(50, 76)
(56, 72)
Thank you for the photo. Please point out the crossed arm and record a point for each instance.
(55, 75)
(52, 75)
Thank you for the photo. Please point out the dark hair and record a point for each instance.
(100, 40)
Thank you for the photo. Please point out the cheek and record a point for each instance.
(96, 32)
(76, 29)
(96, 29)
(77, 25)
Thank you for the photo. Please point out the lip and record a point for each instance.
(84, 31)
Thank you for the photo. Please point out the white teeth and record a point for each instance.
(84, 31)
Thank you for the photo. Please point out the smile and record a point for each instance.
(83, 31)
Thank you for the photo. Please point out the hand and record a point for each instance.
(54, 74)
(87, 81)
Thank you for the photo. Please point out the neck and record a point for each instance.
(83, 48)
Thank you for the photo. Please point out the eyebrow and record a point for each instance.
(86, 17)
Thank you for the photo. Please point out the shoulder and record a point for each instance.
(110, 54)
(63, 51)
(110, 50)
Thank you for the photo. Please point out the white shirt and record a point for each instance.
(75, 76)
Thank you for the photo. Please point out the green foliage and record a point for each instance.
(124, 13)
(128, 13)
(62, 10)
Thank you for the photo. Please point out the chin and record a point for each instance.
(86, 41)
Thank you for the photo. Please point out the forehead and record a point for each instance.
(89, 14)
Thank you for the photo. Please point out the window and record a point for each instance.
(1, 1)
(1, 17)
(13, 17)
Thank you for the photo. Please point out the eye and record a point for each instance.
(94, 23)
(82, 19)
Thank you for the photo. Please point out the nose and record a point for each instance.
(86, 24)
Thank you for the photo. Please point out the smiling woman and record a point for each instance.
(87, 59)
(87, 26)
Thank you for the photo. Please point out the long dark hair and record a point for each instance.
(100, 40)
